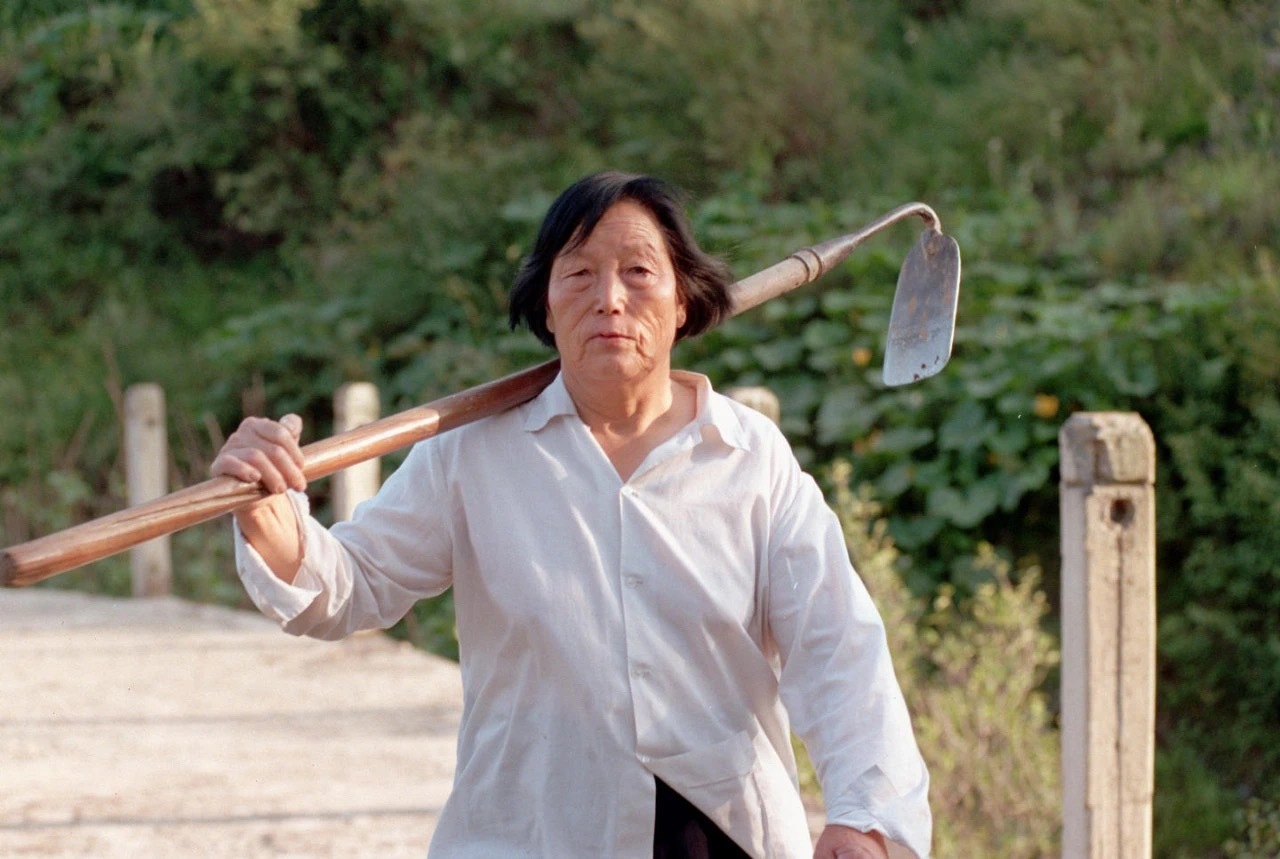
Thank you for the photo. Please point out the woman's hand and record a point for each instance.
(843, 842)
(267, 452)
(264, 451)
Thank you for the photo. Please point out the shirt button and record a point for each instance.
(640, 672)
(644, 759)
(633, 581)
(628, 491)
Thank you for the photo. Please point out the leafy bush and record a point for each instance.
(971, 671)
(967, 455)
(1219, 518)
(1194, 812)
(1259, 834)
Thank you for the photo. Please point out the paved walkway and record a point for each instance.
(161, 728)
(139, 728)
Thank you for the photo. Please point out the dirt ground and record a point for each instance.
(160, 728)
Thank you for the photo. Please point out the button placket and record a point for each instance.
(640, 671)
(632, 579)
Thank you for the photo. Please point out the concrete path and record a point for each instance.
(139, 728)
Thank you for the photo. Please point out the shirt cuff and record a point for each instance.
(905, 821)
(859, 819)
(275, 598)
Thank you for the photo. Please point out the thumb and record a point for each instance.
(293, 424)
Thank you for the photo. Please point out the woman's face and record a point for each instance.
(613, 304)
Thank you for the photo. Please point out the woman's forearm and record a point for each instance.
(271, 527)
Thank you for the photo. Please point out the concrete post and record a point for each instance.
(355, 404)
(146, 445)
(1108, 635)
(761, 399)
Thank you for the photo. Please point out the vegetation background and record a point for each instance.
(253, 201)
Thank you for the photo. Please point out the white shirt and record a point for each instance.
(611, 631)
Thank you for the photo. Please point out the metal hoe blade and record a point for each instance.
(921, 328)
(922, 323)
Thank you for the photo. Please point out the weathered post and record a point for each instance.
(355, 404)
(761, 399)
(146, 445)
(1108, 635)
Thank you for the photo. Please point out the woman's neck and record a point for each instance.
(628, 421)
(624, 407)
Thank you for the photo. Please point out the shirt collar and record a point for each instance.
(714, 414)
(552, 402)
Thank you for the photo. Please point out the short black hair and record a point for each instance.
(703, 280)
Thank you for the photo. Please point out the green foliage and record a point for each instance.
(967, 455)
(1193, 810)
(971, 671)
(430, 625)
(762, 111)
(1259, 834)
(21, 16)
(1218, 512)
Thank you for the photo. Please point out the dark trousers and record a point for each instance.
(681, 831)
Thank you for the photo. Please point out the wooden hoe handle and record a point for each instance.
(73, 547)
(30, 562)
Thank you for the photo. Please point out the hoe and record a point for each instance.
(921, 330)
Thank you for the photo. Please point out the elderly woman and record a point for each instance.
(650, 594)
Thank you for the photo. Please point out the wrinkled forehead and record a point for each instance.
(628, 223)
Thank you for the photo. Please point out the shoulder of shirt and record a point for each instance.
(472, 436)
(755, 430)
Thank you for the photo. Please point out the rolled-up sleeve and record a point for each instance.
(837, 680)
(366, 573)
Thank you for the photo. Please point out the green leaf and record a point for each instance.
(821, 333)
(933, 472)
(895, 480)
(779, 354)
(903, 439)
(945, 502)
(1012, 437)
(838, 302)
(826, 361)
(967, 428)
(981, 500)
(735, 359)
(844, 415)
(916, 531)
(964, 509)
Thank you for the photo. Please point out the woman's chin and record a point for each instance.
(615, 369)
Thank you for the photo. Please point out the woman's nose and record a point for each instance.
(609, 294)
